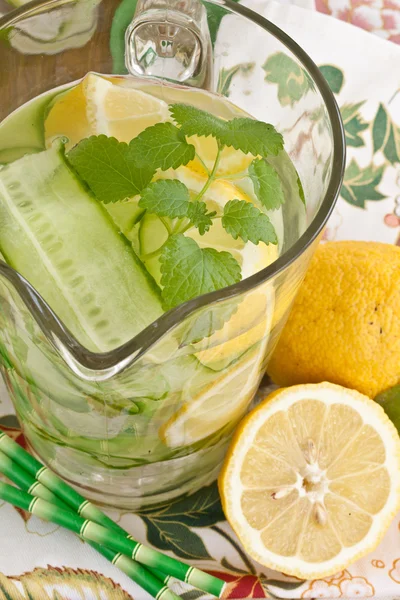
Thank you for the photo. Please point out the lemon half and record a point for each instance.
(312, 479)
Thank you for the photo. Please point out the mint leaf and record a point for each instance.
(166, 198)
(243, 219)
(188, 271)
(161, 146)
(251, 136)
(199, 216)
(106, 165)
(245, 134)
(195, 121)
(267, 184)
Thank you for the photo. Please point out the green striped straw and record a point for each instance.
(78, 503)
(61, 490)
(101, 535)
(138, 573)
(92, 524)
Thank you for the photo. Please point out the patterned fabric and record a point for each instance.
(378, 16)
(38, 561)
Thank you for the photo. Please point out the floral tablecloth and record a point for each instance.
(38, 561)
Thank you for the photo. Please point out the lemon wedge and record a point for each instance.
(312, 479)
(99, 105)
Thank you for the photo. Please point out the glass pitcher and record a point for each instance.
(152, 419)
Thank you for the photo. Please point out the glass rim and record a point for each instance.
(121, 357)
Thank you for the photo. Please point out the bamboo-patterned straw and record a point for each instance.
(92, 524)
(106, 537)
(137, 572)
(78, 503)
(64, 492)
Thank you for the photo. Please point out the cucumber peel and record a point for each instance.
(56, 234)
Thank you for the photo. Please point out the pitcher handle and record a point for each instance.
(170, 40)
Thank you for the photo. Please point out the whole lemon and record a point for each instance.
(345, 322)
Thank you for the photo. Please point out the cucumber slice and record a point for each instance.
(10, 154)
(125, 214)
(62, 240)
(23, 128)
(152, 235)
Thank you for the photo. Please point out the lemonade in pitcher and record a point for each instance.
(120, 200)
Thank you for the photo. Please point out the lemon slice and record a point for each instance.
(312, 479)
(99, 105)
(231, 162)
(222, 401)
(245, 328)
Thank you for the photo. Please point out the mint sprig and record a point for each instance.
(166, 198)
(106, 165)
(161, 146)
(114, 171)
(188, 271)
(243, 219)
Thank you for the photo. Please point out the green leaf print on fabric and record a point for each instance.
(333, 76)
(171, 535)
(392, 146)
(60, 583)
(192, 594)
(226, 76)
(201, 509)
(386, 136)
(283, 585)
(360, 185)
(353, 124)
(293, 82)
(169, 527)
(10, 422)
